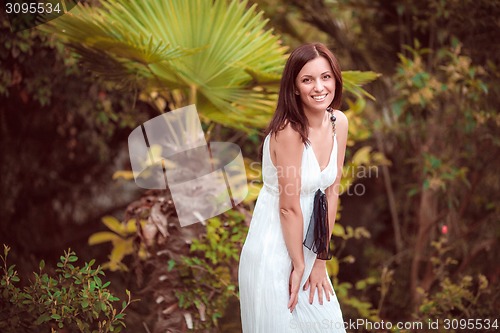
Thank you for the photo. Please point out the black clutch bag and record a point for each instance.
(317, 237)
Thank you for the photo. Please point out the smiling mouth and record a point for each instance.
(319, 98)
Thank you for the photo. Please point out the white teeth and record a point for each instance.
(319, 98)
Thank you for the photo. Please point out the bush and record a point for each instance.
(73, 298)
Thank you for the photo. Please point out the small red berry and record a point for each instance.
(444, 229)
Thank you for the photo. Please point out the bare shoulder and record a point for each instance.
(341, 118)
(287, 137)
(286, 147)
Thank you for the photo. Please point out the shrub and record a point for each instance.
(73, 298)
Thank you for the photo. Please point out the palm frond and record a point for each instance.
(353, 80)
(217, 52)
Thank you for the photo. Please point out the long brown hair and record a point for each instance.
(289, 108)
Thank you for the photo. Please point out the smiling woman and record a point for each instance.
(283, 280)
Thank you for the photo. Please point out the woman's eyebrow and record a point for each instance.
(305, 75)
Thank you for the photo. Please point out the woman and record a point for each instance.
(284, 285)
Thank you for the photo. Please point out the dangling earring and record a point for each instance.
(332, 117)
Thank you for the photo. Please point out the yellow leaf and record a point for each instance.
(121, 248)
(338, 230)
(332, 266)
(253, 192)
(102, 237)
(380, 159)
(362, 156)
(125, 174)
(113, 224)
(143, 253)
(130, 227)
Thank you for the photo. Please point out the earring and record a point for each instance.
(296, 92)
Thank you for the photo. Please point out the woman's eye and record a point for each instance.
(326, 77)
(306, 80)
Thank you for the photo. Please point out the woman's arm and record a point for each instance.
(287, 149)
(332, 192)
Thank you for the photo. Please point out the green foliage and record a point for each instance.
(74, 298)
(214, 54)
(454, 298)
(207, 274)
(353, 80)
(352, 295)
(446, 120)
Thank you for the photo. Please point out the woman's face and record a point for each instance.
(315, 85)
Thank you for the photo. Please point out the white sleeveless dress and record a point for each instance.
(265, 265)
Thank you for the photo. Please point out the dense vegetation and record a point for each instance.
(418, 229)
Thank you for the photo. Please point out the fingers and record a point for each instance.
(294, 285)
(328, 290)
(320, 294)
(311, 294)
(293, 301)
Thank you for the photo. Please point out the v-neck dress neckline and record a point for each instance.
(309, 147)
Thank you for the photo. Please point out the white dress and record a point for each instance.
(265, 264)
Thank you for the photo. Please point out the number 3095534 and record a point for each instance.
(32, 8)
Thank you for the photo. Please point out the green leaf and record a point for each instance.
(170, 265)
(360, 285)
(42, 264)
(353, 80)
(55, 316)
(42, 319)
(98, 281)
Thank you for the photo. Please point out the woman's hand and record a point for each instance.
(293, 286)
(318, 280)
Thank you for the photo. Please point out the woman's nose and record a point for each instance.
(318, 87)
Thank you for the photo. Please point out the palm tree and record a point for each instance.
(216, 54)
(212, 53)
